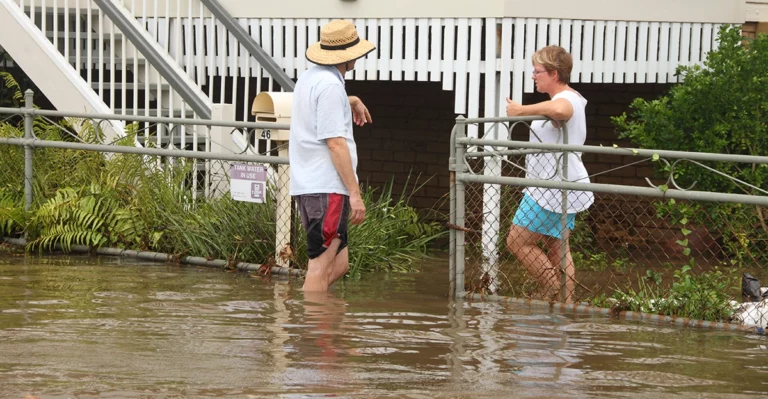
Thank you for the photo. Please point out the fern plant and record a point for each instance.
(12, 215)
(96, 215)
(13, 86)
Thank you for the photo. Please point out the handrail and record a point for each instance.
(141, 118)
(197, 101)
(641, 152)
(250, 44)
(160, 152)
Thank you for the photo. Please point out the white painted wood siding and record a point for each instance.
(459, 52)
(451, 50)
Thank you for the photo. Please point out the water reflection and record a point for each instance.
(318, 353)
(82, 327)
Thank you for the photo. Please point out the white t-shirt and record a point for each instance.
(320, 111)
(548, 166)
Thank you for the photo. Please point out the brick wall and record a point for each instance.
(409, 138)
(751, 29)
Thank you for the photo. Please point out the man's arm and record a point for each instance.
(360, 114)
(343, 163)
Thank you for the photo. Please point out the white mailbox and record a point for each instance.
(273, 107)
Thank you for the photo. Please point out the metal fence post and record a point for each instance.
(461, 132)
(283, 218)
(564, 220)
(28, 171)
(452, 216)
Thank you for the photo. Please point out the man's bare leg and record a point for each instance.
(320, 269)
(340, 266)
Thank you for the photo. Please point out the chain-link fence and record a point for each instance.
(527, 224)
(179, 186)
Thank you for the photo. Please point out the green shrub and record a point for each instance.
(703, 296)
(720, 107)
(137, 202)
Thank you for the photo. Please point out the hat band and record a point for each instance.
(340, 46)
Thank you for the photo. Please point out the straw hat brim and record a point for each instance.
(335, 57)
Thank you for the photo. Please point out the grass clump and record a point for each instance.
(392, 236)
(703, 296)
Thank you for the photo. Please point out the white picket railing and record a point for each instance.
(459, 52)
(454, 51)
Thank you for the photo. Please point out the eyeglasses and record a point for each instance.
(536, 72)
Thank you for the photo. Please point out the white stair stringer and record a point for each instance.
(159, 58)
(56, 78)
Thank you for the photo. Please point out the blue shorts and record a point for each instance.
(532, 216)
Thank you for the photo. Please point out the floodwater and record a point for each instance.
(81, 327)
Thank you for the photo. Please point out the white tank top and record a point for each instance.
(549, 165)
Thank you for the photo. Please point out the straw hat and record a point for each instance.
(339, 43)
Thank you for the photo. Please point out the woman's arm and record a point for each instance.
(559, 110)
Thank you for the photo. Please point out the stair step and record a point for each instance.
(165, 87)
(73, 60)
(95, 60)
(84, 35)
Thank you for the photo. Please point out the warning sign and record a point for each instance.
(248, 183)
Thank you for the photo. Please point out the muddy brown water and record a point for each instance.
(83, 327)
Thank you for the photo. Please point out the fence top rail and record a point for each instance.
(617, 189)
(469, 121)
(150, 119)
(145, 151)
(697, 156)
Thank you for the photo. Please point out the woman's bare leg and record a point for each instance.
(555, 257)
(522, 243)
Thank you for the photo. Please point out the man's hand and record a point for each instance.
(514, 108)
(357, 209)
(360, 114)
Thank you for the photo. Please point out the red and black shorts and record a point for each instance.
(325, 217)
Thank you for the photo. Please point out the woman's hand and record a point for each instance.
(514, 108)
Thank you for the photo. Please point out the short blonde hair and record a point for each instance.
(555, 58)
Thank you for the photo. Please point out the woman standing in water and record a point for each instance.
(539, 216)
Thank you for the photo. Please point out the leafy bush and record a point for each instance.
(720, 107)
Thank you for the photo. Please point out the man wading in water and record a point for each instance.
(323, 155)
